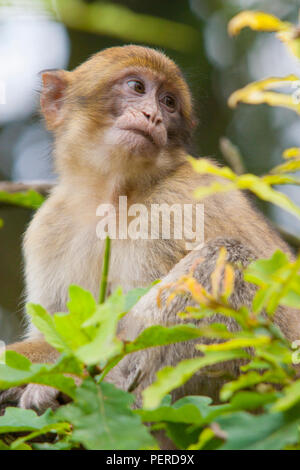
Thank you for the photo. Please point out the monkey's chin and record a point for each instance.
(136, 142)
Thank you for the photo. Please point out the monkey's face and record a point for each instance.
(146, 113)
(125, 108)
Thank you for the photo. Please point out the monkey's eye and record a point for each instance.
(169, 102)
(137, 86)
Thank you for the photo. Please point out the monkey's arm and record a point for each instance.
(37, 351)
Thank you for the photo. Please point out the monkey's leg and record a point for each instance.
(137, 371)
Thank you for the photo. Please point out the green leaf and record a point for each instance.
(278, 280)
(4, 446)
(262, 270)
(291, 397)
(69, 325)
(249, 380)
(134, 295)
(104, 343)
(44, 322)
(19, 371)
(19, 420)
(57, 428)
(102, 419)
(161, 335)
(17, 361)
(59, 445)
(20, 446)
(205, 436)
(182, 435)
(16, 420)
(114, 305)
(199, 411)
(170, 378)
(247, 400)
(266, 432)
(190, 409)
(88, 330)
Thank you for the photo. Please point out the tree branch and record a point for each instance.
(42, 187)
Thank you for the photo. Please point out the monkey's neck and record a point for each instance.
(132, 180)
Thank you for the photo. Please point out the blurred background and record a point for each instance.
(42, 34)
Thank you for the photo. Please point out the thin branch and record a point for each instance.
(232, 155)
(42, 187)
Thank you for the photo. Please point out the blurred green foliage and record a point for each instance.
(29, 199)
(100, 416)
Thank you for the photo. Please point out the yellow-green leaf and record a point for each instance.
(288, 167)
(258, 92)
(291, 40)
(235, 343)
(258, 21)
(204, 166)
(293, 152)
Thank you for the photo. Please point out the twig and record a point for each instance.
(42, 187)
(232, 155)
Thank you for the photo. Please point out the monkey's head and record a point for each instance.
(124, 106)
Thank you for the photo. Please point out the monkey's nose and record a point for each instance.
(152, 117)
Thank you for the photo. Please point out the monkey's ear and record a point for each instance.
(55, 83)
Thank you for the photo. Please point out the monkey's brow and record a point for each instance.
(137, 70)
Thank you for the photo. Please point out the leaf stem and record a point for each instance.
(105, 268)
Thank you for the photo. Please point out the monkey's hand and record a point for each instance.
(33, 396)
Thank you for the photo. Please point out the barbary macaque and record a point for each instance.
(122, 123)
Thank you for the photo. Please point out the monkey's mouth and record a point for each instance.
(143, 133)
